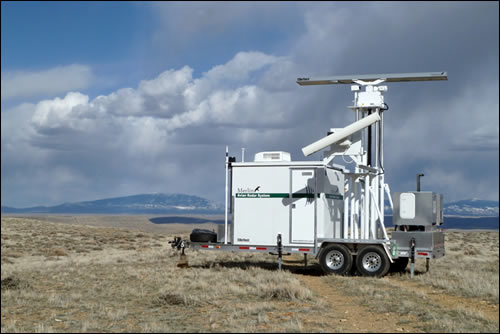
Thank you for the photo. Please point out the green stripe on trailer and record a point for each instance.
(285, 195)
(334, 196)
(262, 195)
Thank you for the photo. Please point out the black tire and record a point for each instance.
(200, 235)
(399, 265)
(372, 261)
(336, 259)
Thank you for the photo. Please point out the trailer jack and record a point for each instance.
(179, 244)
(412, 257)
(280, 252)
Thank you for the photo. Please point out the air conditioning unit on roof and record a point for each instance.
(272, 156)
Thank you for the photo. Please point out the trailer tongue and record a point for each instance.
(333, 212)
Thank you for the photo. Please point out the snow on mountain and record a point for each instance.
(467, 208)
(472, 207)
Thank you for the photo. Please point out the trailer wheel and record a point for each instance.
(372, 261)
(399, 265)
(200, 235)
(336, 259)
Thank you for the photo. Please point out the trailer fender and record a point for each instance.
(387, 251)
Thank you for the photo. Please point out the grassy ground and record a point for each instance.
(458, 294)
(75, 278)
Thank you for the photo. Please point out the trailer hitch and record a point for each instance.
(177, 243)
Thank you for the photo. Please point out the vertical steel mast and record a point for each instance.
(363, 142)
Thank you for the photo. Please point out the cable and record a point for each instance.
(352, 160)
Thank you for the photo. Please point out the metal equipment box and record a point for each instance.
(420, 208)
(427, 244)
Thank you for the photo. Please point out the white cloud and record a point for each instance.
(141, 138)
(174, 98)
(169, 84)
(57, 80)
(51, 114)
(169, 132)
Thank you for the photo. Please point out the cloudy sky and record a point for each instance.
(112, 99)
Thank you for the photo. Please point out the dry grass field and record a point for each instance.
(84, 274)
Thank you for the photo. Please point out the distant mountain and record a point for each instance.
(136, 204)
(466, 208)
(472, 208)
(180, 203)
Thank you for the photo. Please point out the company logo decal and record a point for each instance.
(248, 190)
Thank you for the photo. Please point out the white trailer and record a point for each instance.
(334, 212)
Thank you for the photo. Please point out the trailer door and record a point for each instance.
(303, 204)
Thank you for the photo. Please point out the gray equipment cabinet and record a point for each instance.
(417, 218)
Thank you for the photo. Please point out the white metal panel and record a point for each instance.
(302, 212)
(370, 99)
(330, 224)
(260, 208)
(407, 205)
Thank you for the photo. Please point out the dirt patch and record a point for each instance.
(349, 313)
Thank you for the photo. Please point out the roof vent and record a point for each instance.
(272, 156)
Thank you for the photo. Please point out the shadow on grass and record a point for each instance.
(293, 266)
(310, 270)
(407, 273)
